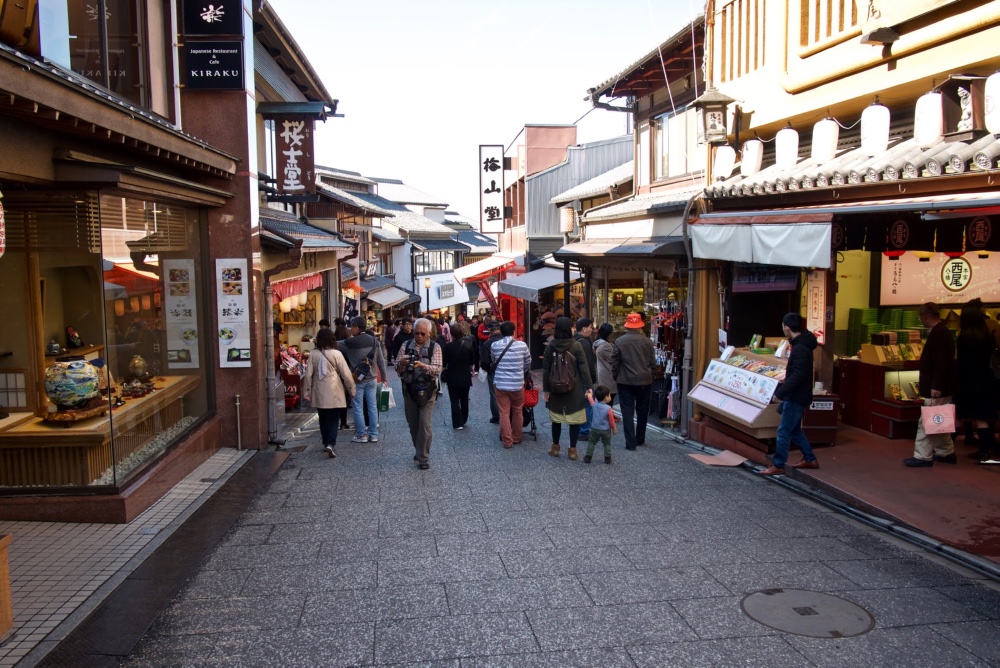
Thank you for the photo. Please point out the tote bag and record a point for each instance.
(938, 419)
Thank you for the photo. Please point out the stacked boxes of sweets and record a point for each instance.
(754, 365)
(861, 324)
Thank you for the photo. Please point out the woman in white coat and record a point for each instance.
(329, 386)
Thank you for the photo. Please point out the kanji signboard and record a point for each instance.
(491, 189)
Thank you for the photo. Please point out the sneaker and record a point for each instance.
(360, 439)
(913, 462)
(607, 460)
(459, 428)
(587, 459)
(946, 459)
(423, 466)
(373, 439)
(330, 452)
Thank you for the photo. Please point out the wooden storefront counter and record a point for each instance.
(41, 453)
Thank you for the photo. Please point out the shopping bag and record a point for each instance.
(938, 419)
(384, 398)
(482, 376)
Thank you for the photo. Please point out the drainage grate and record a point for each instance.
(807, 613)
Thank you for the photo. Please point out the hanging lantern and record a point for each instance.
(786, 148)
(826, 134)
(119, 307)
(725, 160)
(954, 254)
(285, 305)
(893, 254)
(983, 255)
(156, 299)
(3, 232)
(294, 300)
(303, 298)
(928, 123)
(133, 303)
(753, 155)
(923, 256)
(712, 111)
(147, 302)
(874, 129)
(567, 218)
(992, 107)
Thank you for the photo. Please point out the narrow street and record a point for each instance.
(513, 558)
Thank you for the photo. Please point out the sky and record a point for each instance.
(422, 83)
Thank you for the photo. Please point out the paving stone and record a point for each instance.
(915, 647)
(604, 535)
(651, 585)
(910, 572)
(371, 549)
(675, 555)
(408, 526)
(612, 657)
(456, 505)
(512, 521)
(980, 638)
(514, 594)
(330, 645)
(495, 542)
(720, 618)
(562, 561)
(216, 584)
(155, 652)
(222, 615)
(453, 568)
(910, 606)
(453, 637)
(747, 652)
(354, 527)
(608, 626)
(982, 599)
(801, 549)
(375, 604)
(290, 554)
(316, 576)
(746, 578)
(824, 525)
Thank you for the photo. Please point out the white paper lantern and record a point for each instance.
(874, 129)
(928, 123)
(567, 216)
(786, 148)
(294, 301)
(992, 106)
(753, 155)
(285, 305)
(725, 160)
(826, 134)
(303, 298)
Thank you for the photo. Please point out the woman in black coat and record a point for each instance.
(457, 374)
(976, 397)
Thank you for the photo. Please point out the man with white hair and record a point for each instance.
(419, 365)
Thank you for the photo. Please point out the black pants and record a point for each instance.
(328, 420)
(634, 405)
(459, 398)
(574, 433)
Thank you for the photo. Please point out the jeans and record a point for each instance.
(419, 419)
(634, 401)
(365, 391)
(585, 427)
(459, 398)
(494, 409)
(511, 403)
(789, 432)
(328, 419)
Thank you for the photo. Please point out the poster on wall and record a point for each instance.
(232, 298)
(816, 305)
(907, 281)
(181, 314)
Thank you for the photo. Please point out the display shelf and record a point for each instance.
(738, 397)
(867, 402)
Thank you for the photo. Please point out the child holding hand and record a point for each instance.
(602, 425)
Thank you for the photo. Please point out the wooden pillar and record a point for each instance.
(36, 336)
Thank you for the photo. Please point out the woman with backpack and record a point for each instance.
(565, 383)
(457, 373)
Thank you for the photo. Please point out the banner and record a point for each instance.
(491, 189)
(233, 286)
(181, 314)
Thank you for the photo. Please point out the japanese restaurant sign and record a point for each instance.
(181, 314)
(213, 66)
(907, 281)
(294, 152)
(490, 189)
(213, 18)
(232, 298)
(816, 305)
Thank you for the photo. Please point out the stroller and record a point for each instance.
(528, 411)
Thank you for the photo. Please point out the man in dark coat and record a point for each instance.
(795, 395)
(485, 362)
(937, 387)
(632, 363)
(404, 334)
(585, 336)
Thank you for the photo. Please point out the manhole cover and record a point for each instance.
(807, 613)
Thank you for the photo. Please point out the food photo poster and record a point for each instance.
(232, 297)
(181, 314)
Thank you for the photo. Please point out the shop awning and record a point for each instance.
(482, 268)
(293, 286)
(135, 281)
(389, 297)
(790, 244)
(528, 286)
(438, 245)
(445, 290)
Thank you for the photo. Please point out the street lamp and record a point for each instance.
(427, 287)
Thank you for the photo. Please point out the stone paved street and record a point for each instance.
(500, 557)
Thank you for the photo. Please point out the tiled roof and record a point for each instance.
(383, 234)
(901, 162)
(313, 238)
(456, 217)
(438, 244)
(369, 202)
(347, 272)
(414, 222)
(376, 283)
(597, 185)
(399, 192)
(343, 175)
(640, 204)
(479, 243)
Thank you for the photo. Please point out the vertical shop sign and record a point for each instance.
(232, 300)
(296, 164)
(491, 189)
(816, 305)
(181, 314)
(213, 18)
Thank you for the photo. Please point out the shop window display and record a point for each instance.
(108, 368)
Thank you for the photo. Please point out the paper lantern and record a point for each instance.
(156, 299)
(923, 256)
(753, 155)
(567, 219)
(133, 303)
(285, 305)
(928, 123)
(992, 106)
(147, 302)
(955, 254)
(3, 232)
(294, 301)
(119, 307)
(725, 160)
(303, 298)
(874, 129)
(826, 134)
(893, 254)
(983, 255)
(786, 148)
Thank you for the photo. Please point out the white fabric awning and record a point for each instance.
(527, 286)
(786, 244)
(389, 297)
(486, 266)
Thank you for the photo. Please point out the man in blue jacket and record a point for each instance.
(795, 395)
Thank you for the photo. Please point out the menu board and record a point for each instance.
(747, 384)
(232, 297)
(181, 314)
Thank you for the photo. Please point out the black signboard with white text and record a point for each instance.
(213, 18)
(213, 66)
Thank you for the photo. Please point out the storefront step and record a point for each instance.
(718, 435)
